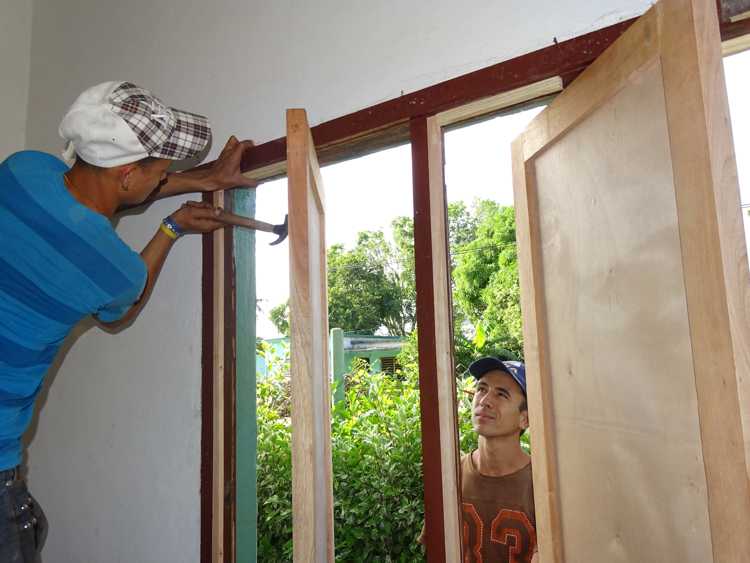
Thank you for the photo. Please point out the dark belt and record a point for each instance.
(9, 475)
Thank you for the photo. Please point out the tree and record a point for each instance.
(485, 277)
(372, 286)
(280, 317)
(403, 270)
(368, 289)
(363, 295)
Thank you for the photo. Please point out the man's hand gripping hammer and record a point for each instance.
(282, 230)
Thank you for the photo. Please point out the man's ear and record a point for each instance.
(129, 168)
(123, 174)
(524, 422)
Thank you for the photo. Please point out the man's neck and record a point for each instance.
(500, 455)
(95, 190)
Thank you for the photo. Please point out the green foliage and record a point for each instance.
(377, 473)
(462, 226)
(402, 270)
(280, 317)
(486, 294)
(377, 469)
(486, 289)
(274, 460)
(363, 287)
(370, 287)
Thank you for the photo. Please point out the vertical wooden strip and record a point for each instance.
(219, 265)
(230, 389)
(207, 393)
(312, 482)
(539, 390)
(432, 470)
(731, 231)
(246, 529)
(705, 177)
(325, 373)
(443, 314)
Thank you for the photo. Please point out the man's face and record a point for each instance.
(496, 406)
(145, 178)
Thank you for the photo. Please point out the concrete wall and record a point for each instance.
(115, 455)
(15, 59)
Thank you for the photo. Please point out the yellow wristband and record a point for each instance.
(167, 231)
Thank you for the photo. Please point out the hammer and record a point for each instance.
(281, 230)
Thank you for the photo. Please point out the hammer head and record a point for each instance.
(281, 230)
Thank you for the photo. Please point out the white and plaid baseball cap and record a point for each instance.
(116, 123)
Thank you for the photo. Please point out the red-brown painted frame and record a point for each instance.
(207, 393)
(379, 126)
(432, 472)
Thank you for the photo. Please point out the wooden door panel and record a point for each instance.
(627, 283)
(616, 325)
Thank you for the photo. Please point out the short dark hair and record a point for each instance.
(524, 406)
(146, 161)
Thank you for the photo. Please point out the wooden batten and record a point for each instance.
(714, 255)
(735, 45)
(498, 102)
(539, 388)
(312, 473)
(219, 276)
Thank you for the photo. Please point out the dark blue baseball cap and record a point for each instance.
(515, 369)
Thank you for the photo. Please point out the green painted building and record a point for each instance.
(379, 352)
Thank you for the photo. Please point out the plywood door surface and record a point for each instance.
(629, 276)
(312, 484)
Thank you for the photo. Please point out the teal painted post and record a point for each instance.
(339, 363)
(246, 415)
(375, 363)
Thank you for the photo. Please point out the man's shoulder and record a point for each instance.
(33, 161)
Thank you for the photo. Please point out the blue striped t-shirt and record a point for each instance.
(59, 262)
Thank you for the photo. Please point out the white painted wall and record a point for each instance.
(115, 458)
(15, 59)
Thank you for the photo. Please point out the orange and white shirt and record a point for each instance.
(499, 522)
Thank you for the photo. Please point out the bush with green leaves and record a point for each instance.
(377, 474)
(377, 461)
(274, 459)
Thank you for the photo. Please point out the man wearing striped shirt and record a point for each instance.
(61, 260)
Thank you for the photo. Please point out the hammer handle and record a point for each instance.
(246, 222)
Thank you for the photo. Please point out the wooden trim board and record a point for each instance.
(312, 472)
(207, 393)
(713, 251)
(735, 45)
(539, 391)
(498, 102)
(219, 351)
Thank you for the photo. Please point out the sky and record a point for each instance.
(368, 193)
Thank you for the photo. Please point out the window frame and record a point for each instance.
(418, 118)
